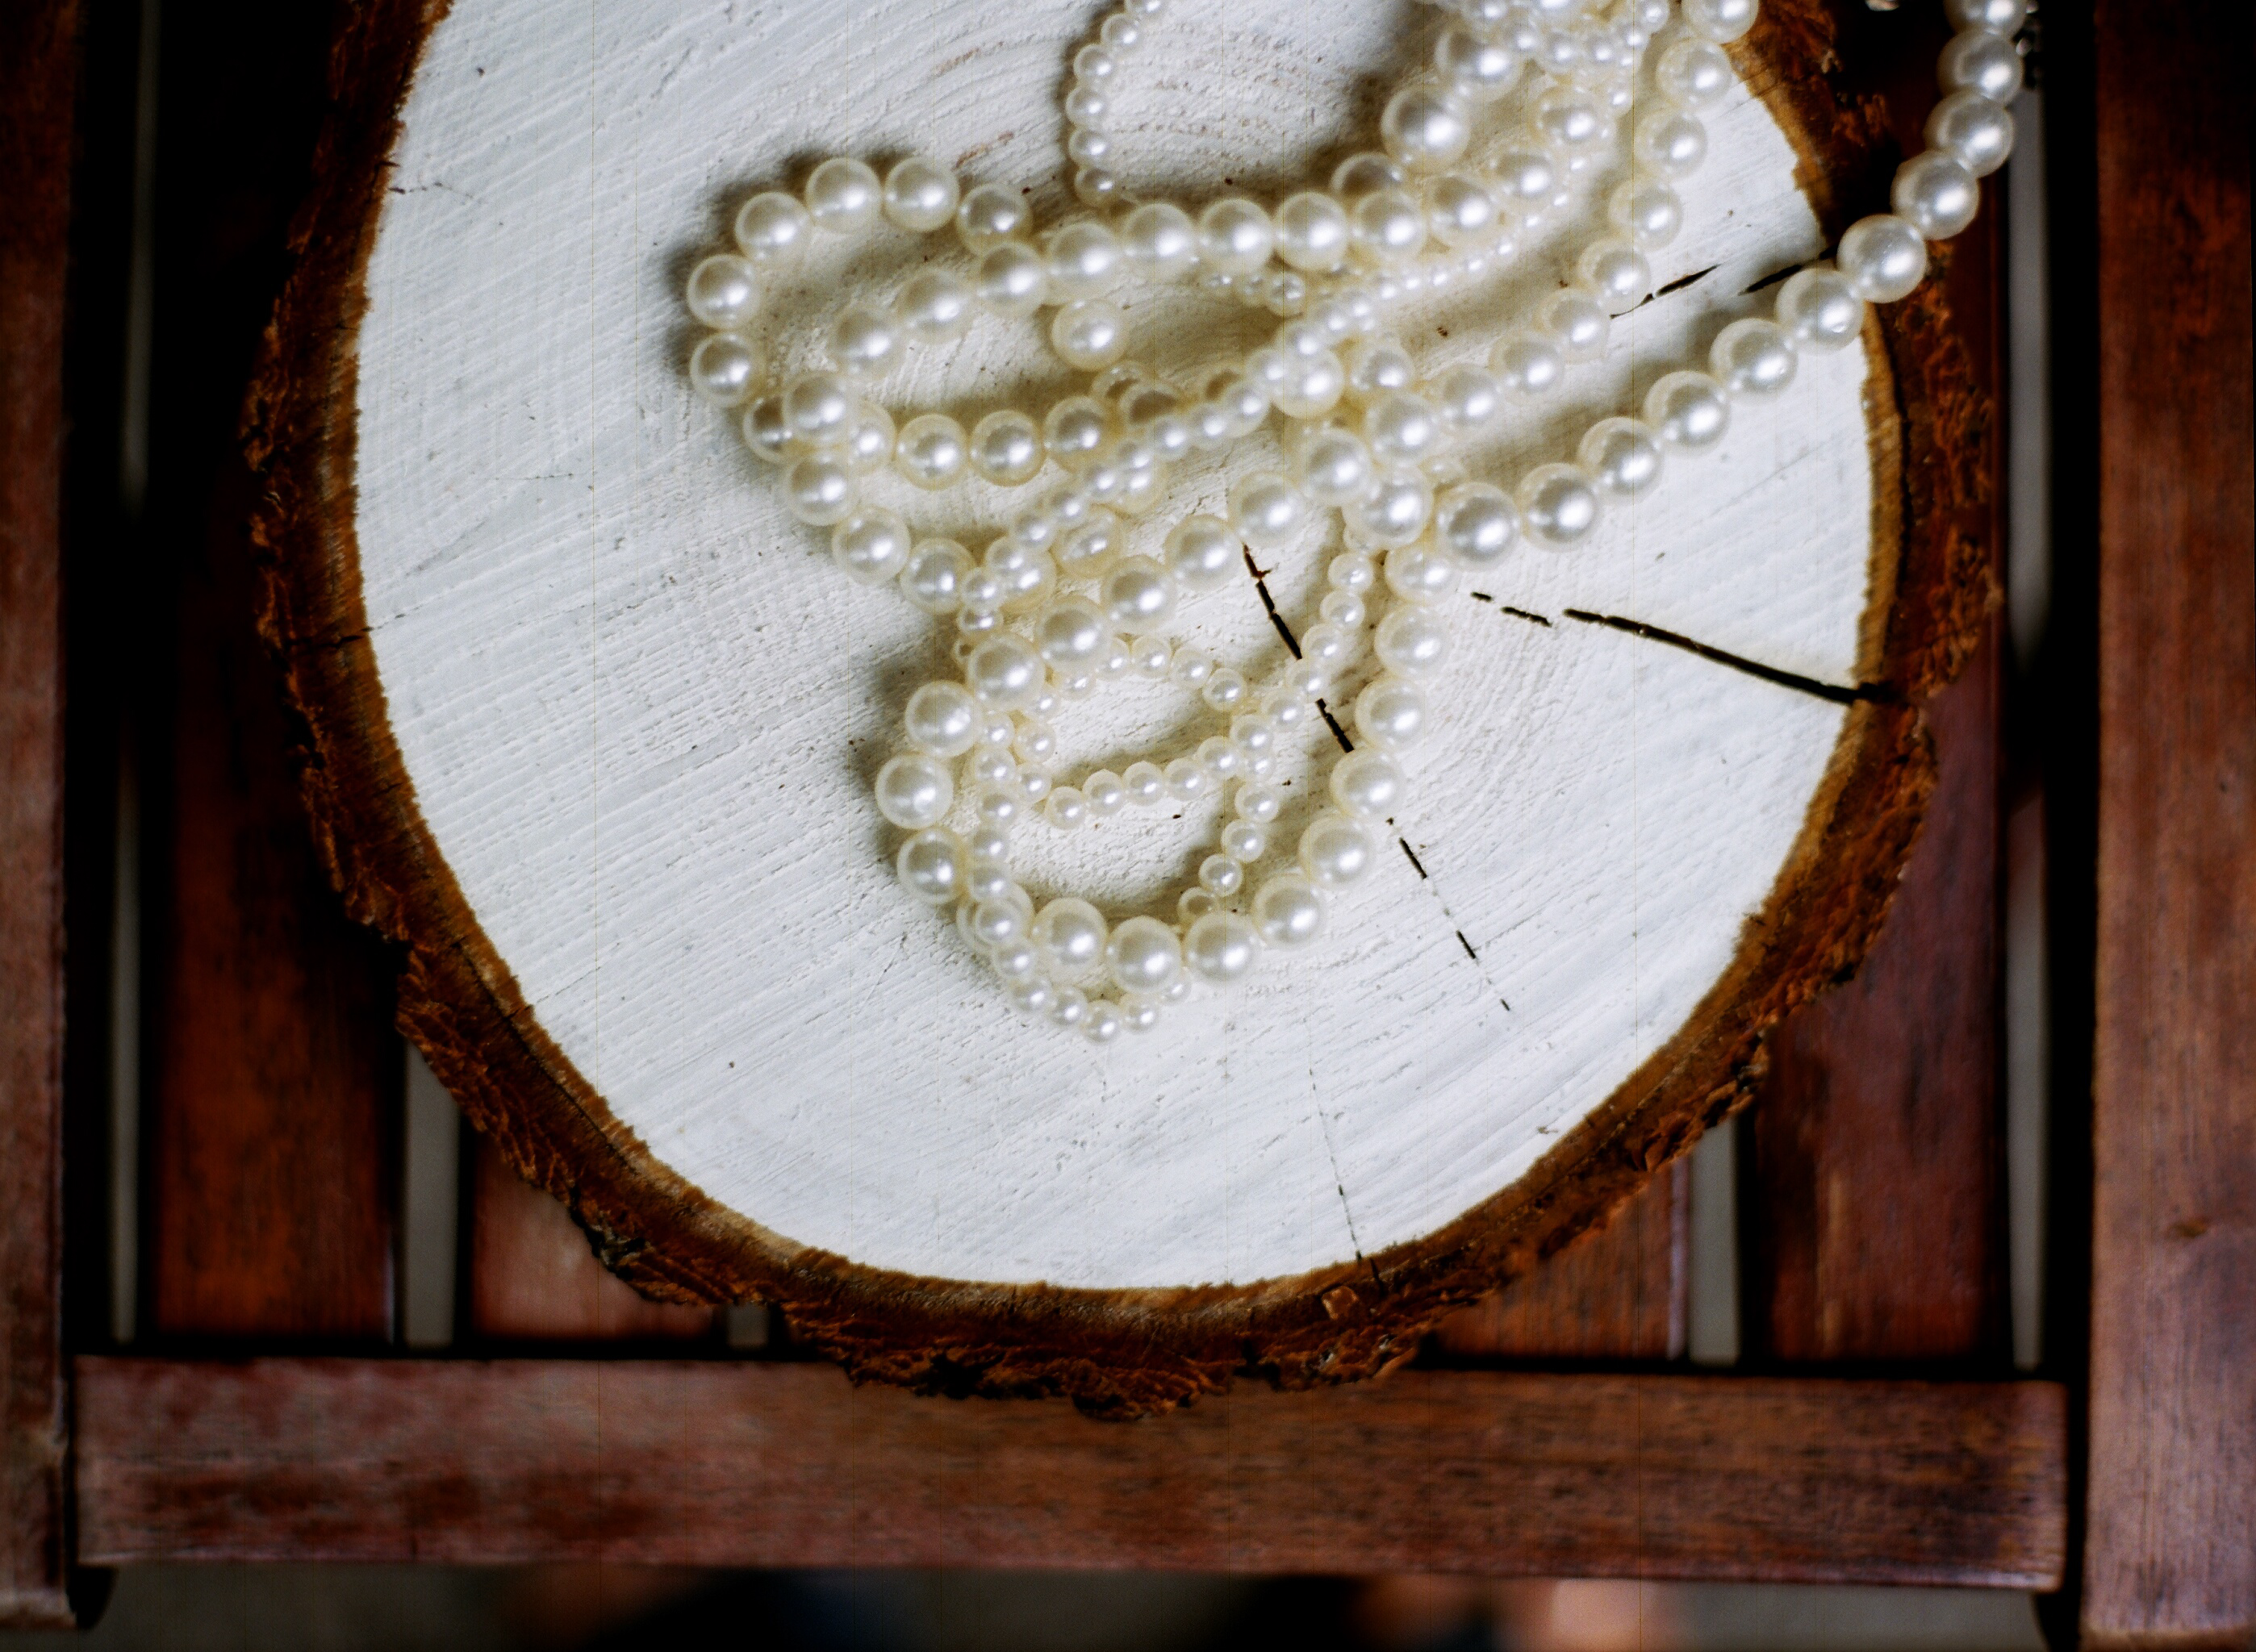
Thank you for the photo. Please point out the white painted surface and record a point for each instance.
(584, 597)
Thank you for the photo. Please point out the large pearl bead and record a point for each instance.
(1527, 364)
(1425, 128)
(1072, 634)
(1622, 455)
(1578, 324)
(1202, 553)
(1752, 357)
(725, 292)
(920, 193)
(1649, 213)
(724, 369)
(1477, 523)
(1007, 448)
(1403, 427)
(1883, 256)
(870, 546)
(1978, 61)
(1367, 785)
(1004, 672)
(1460, 211)
(1420, 573)
(1235, 235)
(1333, 466)
(1390, 713)
(1692, 74)
(932, 578)
(1616, 273)
(943, 720)
(1475, 67)
(1387, 227)
(934, 306)
(1221, 947)
(1969, 126)
(1143, 956)
(914, 790)
(819, 490)
(1560, 504)
(1935, 194)
(1997, 17)
(990, 215)
(1012, 280)
(1395, 511)
(932, 451)
(1160, 241)
(1083, 260)
(773, 228)
(1668, 144)
(1470, 399)
(1334, 851)
(1820, 310)
(1069, 936)
(1267, 510)
(1413, 641)
(819, 408)
(1140, 595)
(932, 866)
(1289, 910)
(1688, 410)
(842, 196)
(1719, 20)
(1028, 575)
(766, 432)
(1089, 333)
(1312, 231)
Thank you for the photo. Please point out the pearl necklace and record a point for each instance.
(1552, 79)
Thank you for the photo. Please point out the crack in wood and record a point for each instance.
(1338, 733)
(1835, 692)
(1261, 584)
(1506, 607)
(1414, 861)
(1682, 282)
(1468, 946)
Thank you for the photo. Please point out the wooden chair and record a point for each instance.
(260, 1401)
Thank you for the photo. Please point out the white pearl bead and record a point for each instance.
(1386, 228)
(1032, 996)
(842, 196)
(1390, 713)
(1367, 785)
(1668, 144)
(1012, 280)
(1577, 323)
(1575, 123)
(984, 592)
(1220, 875)
(819, 408)
(1085, 552)
(943, 720)
(1305, 680)
(1334, 851)
(773, 228)
(1351, 571)
(1326, 644)
(1752, 357)
(863, 340)
(1189, 668)
(724, 369)
(1424, 128)
(1072, 633)
(1719, 20)
(1333, 466)
(1403, 427)
(1527, 364)
(1028, 575)
(1254, 801)
(1692, 74)
(1202, 553)
(931, 866)
(1616, 273)
(914, 790)
(766, 432)
(725, 292)
(1007, 448)
(1218, 757)
(990, 764)
(1138, 595)
(1470, 399)
(1312, 231)
(1289, 910)
(1077, 430)
(1152, 656)
(1475, 67)
(870, 546)
(1650, 213)
(819, 490)
(920, 193)
(1977, 131)
(1243, 841)
(1688, 410)
(1104, 1024)
(933, 577)
(1083, 260)
(1267, 510)
(1068, 935)
(934, 306)
(1997, 17)
(1088, 334)
(1160, 241)
(990, 215)
(1420, 573)
(1622, 455)
(1413, 641)
(1377, 367)
(1395, 511)
(1526, 179)
(1003, 671)
(932, 451)
(1820, 310)
(1978, 61)
(1014, 962)
(1071, 1009)
(1560, 505)
(1235, 235)
(1146, 783)
(1366, 174)
(1143, 956)
(1221, 947)
(998, 922)
(1883, 256)
(1241, 400)
(1460, 211)
(1476, 525)
(1105, 792)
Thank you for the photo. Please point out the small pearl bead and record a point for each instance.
(914, 790)
(1067, 809)
(1622, 455)
(1104, 790)
(1077, 430)
(921, 194)
(1032, 996)
(1139, 1012)
(1289, 910)
(1087, 552)
(1476, 67)
(1160, 241)
(1334, 851)
(1525, 179)
(1351, 571)
(1089, 333)
(1243, 840)
(1367, 785)
(1884, 258)
(1578, 324)
(1326, 644)
(1420, 573)
(1015, 961)
(1104, 1024)
(725, 292)
(870, 546)
(1071, 1009)
(1573, 123)
(1970, 127)
(1402, 427)
(1413, 641)
(1007, 448)
(934, 306)
(1219, 875)
(1221, 947)
(1028, 575)
(1189, 668)
(819, 491)
(1146, 783)
(1688, 410)
(1342, 610)
(1820, 310)
(1424, 128)
(933, 577)
(1260, 803)
(842, 196)
(1012, 280)
(773, 228)
(863, 340)
(1753, 358)
(724, 369)
(1152, 656)
(990, 215)
(932, 451)
(1143, 956)
(1225, 690)
(1219, 756)
(765, 430)
(1390, 713)
(1333, 466)
(998, 922)
(819, 408)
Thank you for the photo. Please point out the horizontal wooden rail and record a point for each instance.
(722, 1464)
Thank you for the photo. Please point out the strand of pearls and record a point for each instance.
(1412, 520)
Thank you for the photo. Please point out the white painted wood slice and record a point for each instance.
(596, 720)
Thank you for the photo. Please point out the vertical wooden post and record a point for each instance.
(2170, 1544)
(38, 71)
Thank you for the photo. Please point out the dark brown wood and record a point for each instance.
(274, 1079)
(38, 74)
(1615, 1294)
(2170, 1545)
(1121, 1351)
(710, 1464)
(534, 1278)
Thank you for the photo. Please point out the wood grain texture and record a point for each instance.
(534, 1278)
(1617, 1293)
(1125, 1349)
(39, 75)
(783, 1465)
(2170, 1541)
(274, 1084)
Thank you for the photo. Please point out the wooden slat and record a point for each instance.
(2170, 1549)
(723, 1463)
(38, 71)
(276, 1079)
(1616, 1294)
(533, 1277)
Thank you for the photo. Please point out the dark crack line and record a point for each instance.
(1682, 282)
(1833, 692)
(1261, 584)
(1332, 723)
(1456, 929)
(1468, 946)
(1506, 607)
(1419, 865)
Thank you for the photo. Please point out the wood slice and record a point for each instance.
(591, 721)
